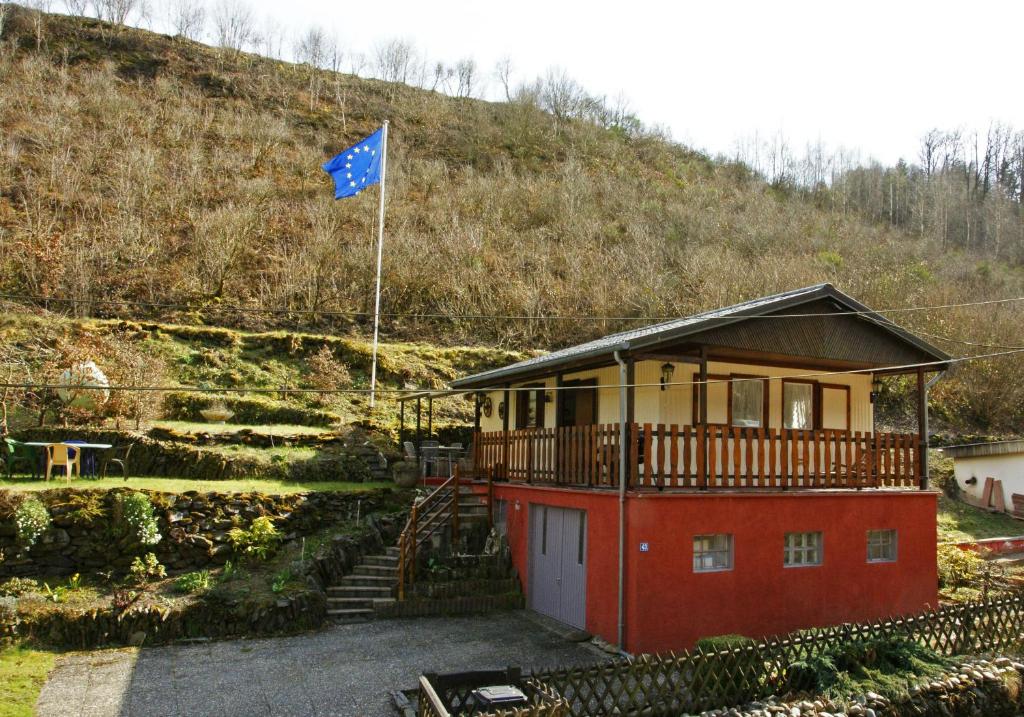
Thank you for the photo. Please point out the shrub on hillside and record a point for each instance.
(957, 567)
(259, 540)
(136, 512)
(31, 520)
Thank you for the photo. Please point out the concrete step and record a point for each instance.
(363, 587)
(383, 561)
(366, 581)
(357, 614)
(390, 571)
(393, 551)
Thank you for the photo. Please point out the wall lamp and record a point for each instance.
(876, 388)
(667, 370)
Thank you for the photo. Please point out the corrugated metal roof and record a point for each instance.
(977, 450)
(675, 329)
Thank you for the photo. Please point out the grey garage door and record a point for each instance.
(558, 563)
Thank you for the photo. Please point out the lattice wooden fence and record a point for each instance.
(674, 684)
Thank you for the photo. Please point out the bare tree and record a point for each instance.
(442, 77)
(395, 60)
(467, 76)
(77, 7)
(356, 63)
(187, 18)
(311, 47)
(270, 42)
(233, 24)
(117, 11)
(503, 71)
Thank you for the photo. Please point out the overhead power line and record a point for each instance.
(45, 300)
(430, 391)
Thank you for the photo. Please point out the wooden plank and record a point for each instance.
(737, 465)
(660, 472)
(807, 460)
(772, 451)
(826, 436)
(687, 456)
(908, 459)
(762, 473)
(999, 499)
(648, 472)
(673, 455)
(784, 457)
(725, 455)
(815, 458)
(699, 435)
(858, 455)
(634, 456)
(712, 455)
(986, 493)
(749, 457)
(897, 469)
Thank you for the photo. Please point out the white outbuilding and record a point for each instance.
(991, 475)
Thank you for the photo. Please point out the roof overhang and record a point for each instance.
(647, 340)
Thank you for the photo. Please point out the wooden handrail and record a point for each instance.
(409, 540)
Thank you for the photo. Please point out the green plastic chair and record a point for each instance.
(16, 452)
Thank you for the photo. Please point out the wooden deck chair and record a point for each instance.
(61, 455)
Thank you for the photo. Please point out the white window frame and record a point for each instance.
(886, 542)
(803, 549)
(714, 550)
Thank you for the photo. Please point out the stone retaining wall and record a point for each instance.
(194, 527)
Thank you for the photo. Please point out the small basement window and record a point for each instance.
(882, 546)
(803, 549)
(712, 553)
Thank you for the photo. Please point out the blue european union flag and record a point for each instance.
(357, 167)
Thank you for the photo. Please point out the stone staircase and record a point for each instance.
(374, 581)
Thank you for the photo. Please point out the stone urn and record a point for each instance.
(216, 415)
(405, 473)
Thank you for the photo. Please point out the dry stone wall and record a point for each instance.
(193, 527)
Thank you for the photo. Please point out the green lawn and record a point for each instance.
(959, 522)
(264, 430)
(180, 485)
(22, 674)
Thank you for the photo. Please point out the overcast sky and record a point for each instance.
(870, 76)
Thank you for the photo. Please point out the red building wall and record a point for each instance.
(668, 606)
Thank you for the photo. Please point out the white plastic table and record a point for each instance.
(47, 444)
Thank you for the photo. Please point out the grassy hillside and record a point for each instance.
(142, 167)
(218, 359)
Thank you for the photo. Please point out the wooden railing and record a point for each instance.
(427, 516)
(712, 456)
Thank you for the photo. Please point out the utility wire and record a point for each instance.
(477, 317)
(445, 392)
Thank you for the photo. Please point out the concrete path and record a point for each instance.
(346, 670)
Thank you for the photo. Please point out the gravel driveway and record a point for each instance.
(345, 670)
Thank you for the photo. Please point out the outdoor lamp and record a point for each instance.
(876, 387)
(667, 370)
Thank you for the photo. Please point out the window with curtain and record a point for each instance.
(747, 403)
(798, 405)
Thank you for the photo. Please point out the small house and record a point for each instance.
(719, 473)
(990, 475)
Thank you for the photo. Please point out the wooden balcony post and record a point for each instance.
(504, 430)
(922, 430)
(703, 413)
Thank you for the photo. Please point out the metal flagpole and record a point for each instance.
(380, 256)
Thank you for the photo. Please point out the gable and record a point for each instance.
(852, 339)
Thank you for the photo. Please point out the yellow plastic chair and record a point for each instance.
(60, 455)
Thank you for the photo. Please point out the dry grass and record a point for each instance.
(164, 170)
